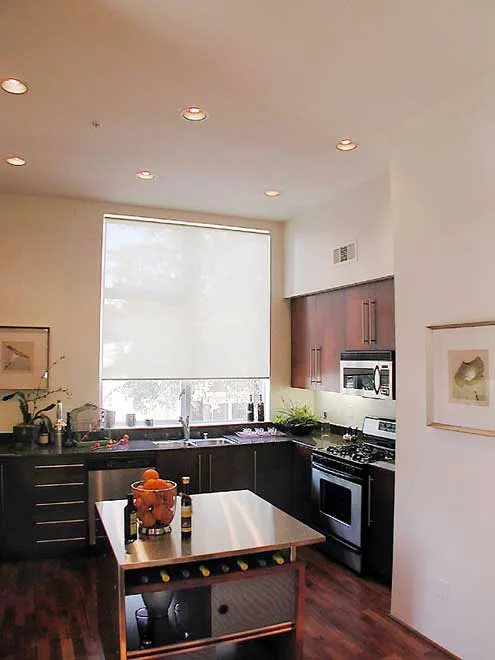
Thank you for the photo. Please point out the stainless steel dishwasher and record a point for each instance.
(110, 478)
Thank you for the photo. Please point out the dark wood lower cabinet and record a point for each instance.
(229, 468)
(273, 474)
(176, 463)
(301, 485)
(380, 528)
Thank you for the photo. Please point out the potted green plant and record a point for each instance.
(33, 409)
(296, 419)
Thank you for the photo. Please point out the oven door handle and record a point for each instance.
(336, 473)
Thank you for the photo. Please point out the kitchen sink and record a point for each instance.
(210, 442)
(171, 444)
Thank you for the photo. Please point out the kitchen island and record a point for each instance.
(233, 590)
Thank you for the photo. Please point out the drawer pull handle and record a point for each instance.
(61, 503)
(61, 522)
(69, 483)
(223, 609)
(68, 465)
(74, 538)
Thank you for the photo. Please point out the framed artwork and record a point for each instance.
(24, 358)
(461, 377)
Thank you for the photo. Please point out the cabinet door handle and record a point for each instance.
(370, 522)
(372, 321)
(200, 489)
(318, 364)
(311, 370)
(365, 321)
(2, 493)
(209, 470)
(255, 469)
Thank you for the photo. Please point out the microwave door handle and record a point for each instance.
(377, 379)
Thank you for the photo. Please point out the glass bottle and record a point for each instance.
(250, 409)
(325, 427)
(130, 520)
(261, 410)
(185, 509)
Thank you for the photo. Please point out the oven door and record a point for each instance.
(337, 504)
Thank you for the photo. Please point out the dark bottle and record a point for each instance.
(185, 508)
(69, 431)
(43, 437)
(250, 416)
(261, 410)
(130, 520)
(223, 567)
(261, 561)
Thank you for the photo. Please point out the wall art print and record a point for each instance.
(461, 377)
(24, 358)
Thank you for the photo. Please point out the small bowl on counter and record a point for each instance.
(155, 505)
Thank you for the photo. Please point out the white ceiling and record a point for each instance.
(281, 79)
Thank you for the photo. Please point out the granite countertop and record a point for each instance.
(10, 450)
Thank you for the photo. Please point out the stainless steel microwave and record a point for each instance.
(368, 373)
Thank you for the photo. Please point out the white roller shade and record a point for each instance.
(184, 301)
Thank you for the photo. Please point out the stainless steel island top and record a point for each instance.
(233, 522)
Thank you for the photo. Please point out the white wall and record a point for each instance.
(50, 264)
(362, 214)
(443, 205)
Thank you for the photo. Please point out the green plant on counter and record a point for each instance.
(297, 419)
(31, 404)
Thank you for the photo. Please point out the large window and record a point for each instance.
(185, 320)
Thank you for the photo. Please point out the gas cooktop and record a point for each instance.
(360, 452)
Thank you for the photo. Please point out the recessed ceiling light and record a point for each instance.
(145, 174)
(193, 113)
(272, 193)
(15, 160)
(346, 144)
(13, 86)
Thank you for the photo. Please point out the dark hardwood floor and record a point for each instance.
(48, 612)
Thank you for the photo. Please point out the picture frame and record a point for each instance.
(461, 377)
(24, 354)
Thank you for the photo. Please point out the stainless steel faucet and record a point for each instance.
(185, 427)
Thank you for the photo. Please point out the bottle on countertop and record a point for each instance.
(130, 520)
(325, 427)
(185, 509)
(69, 430)
(261, 410)
(43, 438)
(58, 427)
(250, 409)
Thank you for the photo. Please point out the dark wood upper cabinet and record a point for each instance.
(326, 324)
(370, 316)
(303, 329)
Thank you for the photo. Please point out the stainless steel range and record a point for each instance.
(339, 495)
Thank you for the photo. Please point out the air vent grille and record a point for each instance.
(345, 253)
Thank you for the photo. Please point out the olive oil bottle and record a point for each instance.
(185, 509)
(130, 520)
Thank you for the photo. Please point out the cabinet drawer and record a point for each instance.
(73, 529)
(253, 603)
(59, 474)
(68, 492)
(60, 511)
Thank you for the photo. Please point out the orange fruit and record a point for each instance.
(161, 483)
(150, 473)
(148, 519)
(150, 484)
(148, 498)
